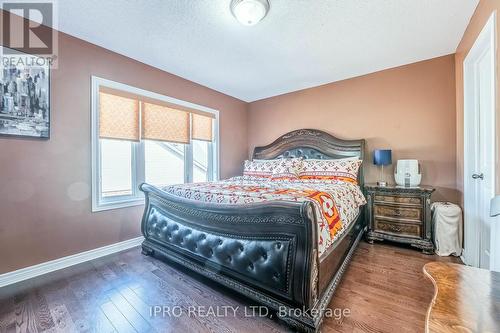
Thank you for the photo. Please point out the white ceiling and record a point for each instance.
(300, 44)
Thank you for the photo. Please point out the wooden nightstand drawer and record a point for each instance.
(409, 213)
(398, 199)
(396, 228)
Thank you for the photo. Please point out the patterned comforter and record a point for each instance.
(336, 202)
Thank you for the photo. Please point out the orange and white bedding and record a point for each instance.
(337, 202)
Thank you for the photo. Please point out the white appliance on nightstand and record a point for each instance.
(408, 173)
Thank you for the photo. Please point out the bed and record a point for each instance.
(269, 251)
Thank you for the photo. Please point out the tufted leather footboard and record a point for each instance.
(265, 251)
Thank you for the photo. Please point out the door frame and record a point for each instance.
(472, 235)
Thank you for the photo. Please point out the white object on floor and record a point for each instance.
(447, 221)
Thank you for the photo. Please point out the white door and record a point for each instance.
(479, 147)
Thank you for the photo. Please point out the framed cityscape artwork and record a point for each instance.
(25, 98)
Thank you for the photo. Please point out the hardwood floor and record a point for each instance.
(384, 289)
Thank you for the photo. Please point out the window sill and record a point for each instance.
(99, 207)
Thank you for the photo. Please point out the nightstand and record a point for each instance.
(400, 214)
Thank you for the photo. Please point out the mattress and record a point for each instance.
(336, 203)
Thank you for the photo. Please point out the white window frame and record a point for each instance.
(100, 203)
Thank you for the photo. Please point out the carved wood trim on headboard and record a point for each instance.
(324, 143)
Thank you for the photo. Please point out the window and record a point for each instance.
(139, 136)
(165, 163)
(116, 168)
(201, 161)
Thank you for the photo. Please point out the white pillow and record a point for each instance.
(287, 169)
(339, 169)
(262, 168)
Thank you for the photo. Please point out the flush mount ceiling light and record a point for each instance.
(249, 12)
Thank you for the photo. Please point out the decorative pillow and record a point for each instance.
(343, 169)
(263, 169)
(287, 169)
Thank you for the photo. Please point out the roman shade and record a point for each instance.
(129, 116)
(118, 117)
(202, 128)
(162, 123)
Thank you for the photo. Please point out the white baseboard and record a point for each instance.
(54, 265)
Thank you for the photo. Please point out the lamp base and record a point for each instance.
(381, 183)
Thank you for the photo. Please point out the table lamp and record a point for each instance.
(382, 157)
(495, 206)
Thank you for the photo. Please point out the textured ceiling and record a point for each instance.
(300, 44)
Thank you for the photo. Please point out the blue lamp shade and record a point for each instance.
(382, 156)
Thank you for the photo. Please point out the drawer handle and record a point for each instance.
(397, 212)
(395, 228)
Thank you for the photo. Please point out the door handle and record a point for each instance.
(478, 176)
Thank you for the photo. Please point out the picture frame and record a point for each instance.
(25, 100)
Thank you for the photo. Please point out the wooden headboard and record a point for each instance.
(311, 143)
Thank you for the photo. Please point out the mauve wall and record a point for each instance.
(410, 109)
(45, 206)
(483, 12)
